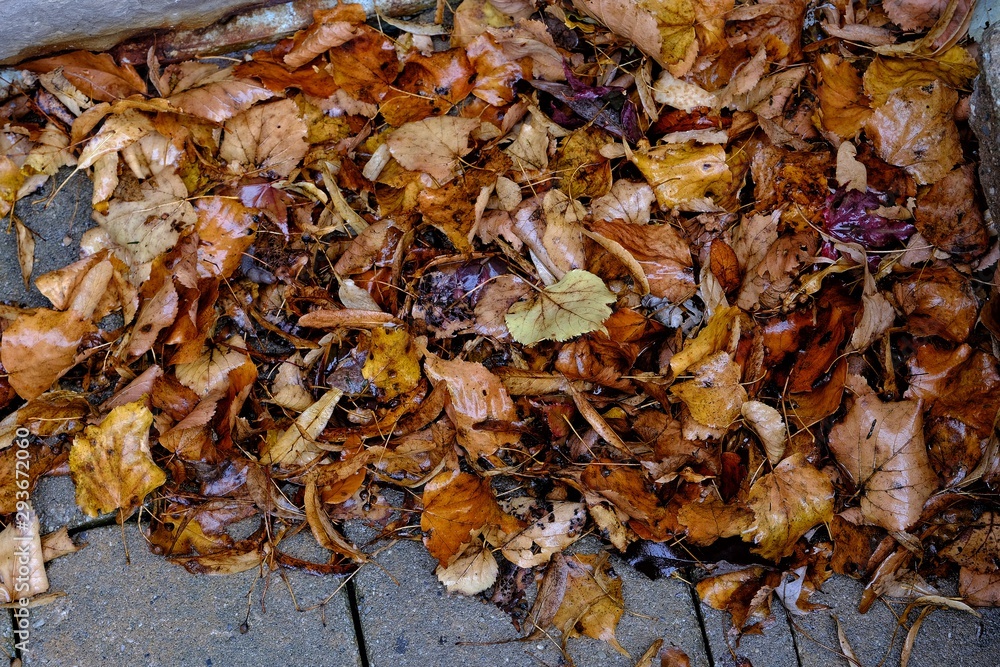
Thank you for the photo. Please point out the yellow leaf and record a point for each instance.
(575, 305)
(955, 67)
(393, 366)
(786, 504)
(715, 395)
(111, 463)
(682, 175)
(296, 446)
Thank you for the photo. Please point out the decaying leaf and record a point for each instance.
(662, 29)
(915, 130)
(881, 446)
(475, 396)
(683, 175)
(266, 139)
(111, 463)
(456, 504)
(433, 145)
(786, 503)
(22, 568)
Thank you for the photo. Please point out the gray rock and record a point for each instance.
(985, 108)
(155, 613)
(30, 28)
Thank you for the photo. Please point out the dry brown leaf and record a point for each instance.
(843, 107)
(146, 228)
(470, 571)
(627, 201)
(268, 139)
(786, 504)
(947, 215)
(296, 446)
(663, 254)
(22, 564)
(457, 504)
(715, 396)
(111, 463)
(881, 447)
(938, 302)
(39, 349)
(915, 129)
(330, 28)
(662, 29)
(433, 145)
(955, 68)
(95, 74)
(554, 525)
(769, 427)
(592, 604)
(475, 396)
(219, 98)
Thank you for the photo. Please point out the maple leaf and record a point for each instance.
(786, 503)
(575, 305)
(111, 463)
(881, 446)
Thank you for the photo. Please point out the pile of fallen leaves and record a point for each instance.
(712, 281)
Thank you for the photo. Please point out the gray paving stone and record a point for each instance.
(58, 224)
(417, 623)
(949, 637)
(774, 648)
(409, 621)
(653, 610)
(154, 613)
(54, 499)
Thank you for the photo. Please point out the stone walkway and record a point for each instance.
(392, 613)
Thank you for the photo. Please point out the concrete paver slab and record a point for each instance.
(58, 224)
(774, 648)
(947, 637)
(416, 623)
(55, 501)
(154, 613)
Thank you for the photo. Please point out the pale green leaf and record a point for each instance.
(575, 305)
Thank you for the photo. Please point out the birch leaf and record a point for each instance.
(575, 305)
